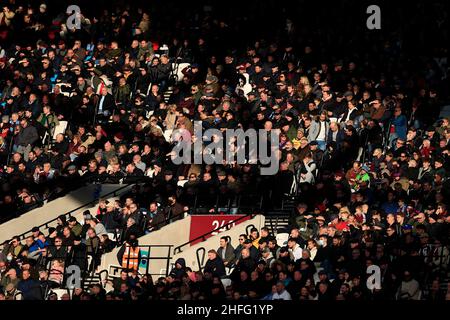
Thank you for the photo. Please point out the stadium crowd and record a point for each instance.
(363, 152)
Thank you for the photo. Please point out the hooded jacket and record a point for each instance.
(176, 272)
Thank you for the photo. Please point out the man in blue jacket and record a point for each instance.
(397, 126)
(29, 287)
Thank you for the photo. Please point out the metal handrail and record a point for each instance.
(149, 257)
(68, 214)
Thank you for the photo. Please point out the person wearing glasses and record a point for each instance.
(13, 249)
(240, 246)
(57, 251)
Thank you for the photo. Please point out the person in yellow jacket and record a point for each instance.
(255, 237)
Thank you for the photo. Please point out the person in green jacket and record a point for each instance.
(75, 226)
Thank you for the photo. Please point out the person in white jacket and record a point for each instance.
(308, 170)
(281, 293)
(294, 249)
(409, 289)
(243, 87)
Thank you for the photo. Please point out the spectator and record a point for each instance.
(215, 264)
(226, 252)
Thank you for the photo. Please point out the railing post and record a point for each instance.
(168, 260)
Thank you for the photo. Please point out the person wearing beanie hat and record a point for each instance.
(51, 232)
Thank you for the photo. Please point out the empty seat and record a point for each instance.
(60, 128)
(226, 282)
(282, 239)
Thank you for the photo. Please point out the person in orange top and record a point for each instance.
(129, 255)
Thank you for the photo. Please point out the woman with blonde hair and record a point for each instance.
(304, 80)
(171, 117)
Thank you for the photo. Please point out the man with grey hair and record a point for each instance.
(268, 258)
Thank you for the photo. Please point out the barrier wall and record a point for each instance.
(54, 208)
(189, 253)
(174, 234)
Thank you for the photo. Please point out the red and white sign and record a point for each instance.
(202, 224)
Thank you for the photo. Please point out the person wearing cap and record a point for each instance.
(432, 135)
(267, 257)
(87, 216)
(96, 225)
(175, 210)
(253, 251)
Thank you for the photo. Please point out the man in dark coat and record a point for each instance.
(174, 211)
(29, 287)
(215, 264)
(245, 263)
(78, 253)
(180, 269)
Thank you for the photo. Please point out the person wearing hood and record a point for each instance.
(243, 87)
(180, 269)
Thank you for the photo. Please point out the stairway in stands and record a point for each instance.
(167, 94)
(277, 220)
(90, 280)
(277, 223)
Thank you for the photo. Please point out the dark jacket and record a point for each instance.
(27, 135)
(30, 289)
(174, 212)
(245, 264)
(108, 103)
(78, 256)
(215, 266)
(176, 272)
